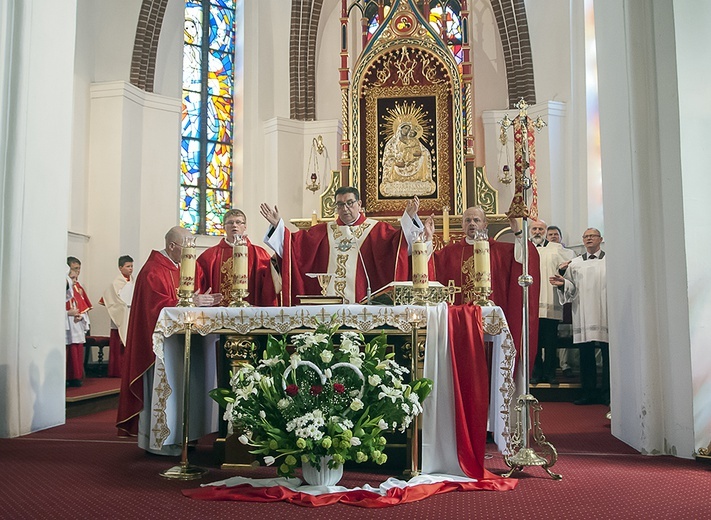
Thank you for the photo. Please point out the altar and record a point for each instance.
(438, 433)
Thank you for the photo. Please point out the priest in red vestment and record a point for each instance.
(453, 263)
(358, 252)
(156, 287)
(216, 265)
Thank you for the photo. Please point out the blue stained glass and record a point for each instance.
(191, 115)
(189, 162)
(219, 119)
(220, 75)
(192, 65)
(222, 29)
(189, 212)
(224, 3)
(192, 29)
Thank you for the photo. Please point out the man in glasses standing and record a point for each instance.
(359, 252)
(584, 284)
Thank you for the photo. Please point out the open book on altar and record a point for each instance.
(402, 293)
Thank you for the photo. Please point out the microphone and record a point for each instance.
(367, 278)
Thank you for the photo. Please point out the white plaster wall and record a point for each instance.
(35, 206)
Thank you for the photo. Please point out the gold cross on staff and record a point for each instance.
(451, 291)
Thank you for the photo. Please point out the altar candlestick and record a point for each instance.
(420, 278)
(188, 257)
(314, 218)
(482, 265)
(239, 261)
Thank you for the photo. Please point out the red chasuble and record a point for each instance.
(156, 287)
(216, 266)
(383, 251)
(450, 264)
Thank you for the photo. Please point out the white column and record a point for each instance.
(36, 83)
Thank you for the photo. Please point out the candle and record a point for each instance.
(187, 265)
(239, 262)
(445, 224)
(482, 265)
(420, 278)
(314, 218)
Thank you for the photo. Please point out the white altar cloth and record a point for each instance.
(437, 421)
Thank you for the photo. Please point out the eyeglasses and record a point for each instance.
(349, 203)
(591, 236)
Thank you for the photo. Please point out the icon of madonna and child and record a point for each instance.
(407, 163)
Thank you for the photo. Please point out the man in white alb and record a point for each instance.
(584, 285)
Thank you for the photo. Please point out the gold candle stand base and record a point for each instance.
(184, 472)
(526, 456)
(238, 298)
(482, 297)
(185, 298)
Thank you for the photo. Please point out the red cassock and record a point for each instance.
(156, 287)
(384, 253)
(216, 266)
(506, 292)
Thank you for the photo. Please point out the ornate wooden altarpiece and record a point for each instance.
(407, 115)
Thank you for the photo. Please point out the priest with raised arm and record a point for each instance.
(156, 287)
(216, 264)
(455, 262)
(359, 252)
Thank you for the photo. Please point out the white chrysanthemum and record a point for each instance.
(283, 403)
(405, 408)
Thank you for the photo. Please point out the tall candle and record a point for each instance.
(314, 218)
(445, 224)
(482, 265)
(187, 266)
(420, 278)
(239, 263)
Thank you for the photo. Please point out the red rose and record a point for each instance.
(292, 390)
(339, 388)
(316, 389)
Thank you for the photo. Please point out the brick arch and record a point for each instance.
(145, 45)
(305, 16)
(513, 29)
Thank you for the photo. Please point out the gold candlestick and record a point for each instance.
(188, 256)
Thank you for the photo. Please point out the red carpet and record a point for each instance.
(82, 470)
(92, 387)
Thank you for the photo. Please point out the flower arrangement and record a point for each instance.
(321, 399)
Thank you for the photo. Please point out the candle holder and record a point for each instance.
(416, 318)
(188, 257)
(239, 298)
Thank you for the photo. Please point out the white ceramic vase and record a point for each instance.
(322, 475)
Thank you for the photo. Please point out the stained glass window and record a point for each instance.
(206, 138)
(447, 25)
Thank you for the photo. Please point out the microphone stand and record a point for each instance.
(368, 293)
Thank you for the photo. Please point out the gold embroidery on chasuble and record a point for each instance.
(226, 278)
(468, 278)
(345, 242)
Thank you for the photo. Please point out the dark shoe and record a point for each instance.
(568, 372)
(553, 381)
(535, 380)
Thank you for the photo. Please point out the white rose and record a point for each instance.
(262, 414)
(356, 405)
(382, 424)
(326, 356)
(374, 380)
(355, 441)
(283, 403)
(356, 362)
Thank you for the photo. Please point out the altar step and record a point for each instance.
(563, 392)
(95, 395)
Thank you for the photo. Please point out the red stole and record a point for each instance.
(216, 266)
(156, 287)
(384, 253)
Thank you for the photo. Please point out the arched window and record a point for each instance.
(206, 138)
(444, 18)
